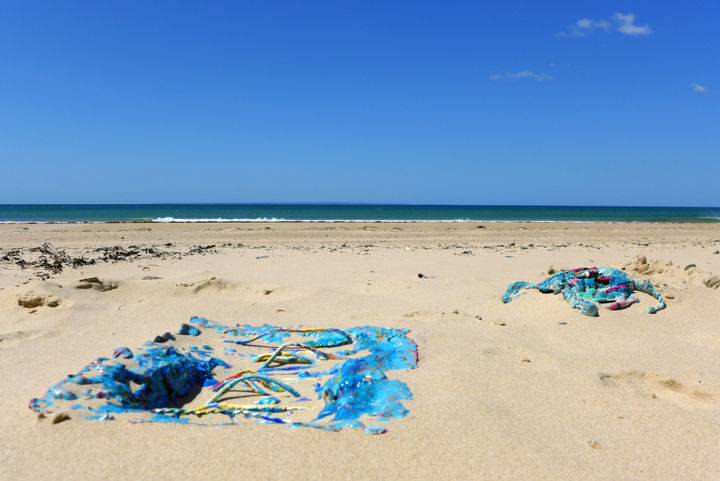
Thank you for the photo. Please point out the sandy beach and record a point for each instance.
(526, 390)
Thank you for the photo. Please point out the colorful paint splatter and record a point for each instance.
(212, 374)
(584, 286)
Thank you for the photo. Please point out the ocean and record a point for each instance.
(36, 213)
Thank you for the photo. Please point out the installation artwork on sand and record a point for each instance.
(584, 286)
(212, 374)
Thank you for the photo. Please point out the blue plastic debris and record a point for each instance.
(288, 376)
(584, 286)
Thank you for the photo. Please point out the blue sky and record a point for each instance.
(552, 102)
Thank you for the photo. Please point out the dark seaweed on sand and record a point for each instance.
(47, 260)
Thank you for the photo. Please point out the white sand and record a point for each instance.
(502, 391)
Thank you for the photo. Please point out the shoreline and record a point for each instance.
(380, 234)
(709, 220)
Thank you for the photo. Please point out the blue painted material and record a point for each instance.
(210, 382)
(157, 376)
(159, 418)
(123, 353)
(188, 330)
(153, 384)
(583, 287)
(360, 389)
(269, 400)
(100, 417)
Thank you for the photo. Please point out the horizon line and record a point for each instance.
(349, 204)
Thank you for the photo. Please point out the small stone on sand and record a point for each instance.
(60, 417)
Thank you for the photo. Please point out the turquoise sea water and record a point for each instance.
(347, 213)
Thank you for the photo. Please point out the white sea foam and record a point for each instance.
(54, 222)
(276, 219)
(396, 221)
(180, 220)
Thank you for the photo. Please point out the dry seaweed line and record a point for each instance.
(48, 260)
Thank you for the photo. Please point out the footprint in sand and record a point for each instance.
(420, 314)
(649, 267)
(712, 282)
(11, 339)
(654, 386)
(211, 284)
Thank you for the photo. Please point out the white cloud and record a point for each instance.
(525, 74)
(623, 23)
(701, 89)
(583, 27)
(626, 24)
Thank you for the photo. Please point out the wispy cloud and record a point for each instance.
(626, 24)
(701, 89)
(583, 27)
(525, 74)
(621, 22)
